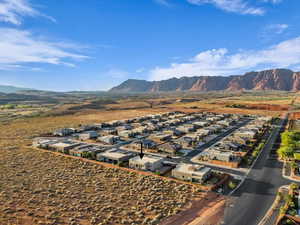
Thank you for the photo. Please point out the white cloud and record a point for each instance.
(220, 62)
(20, 47)
(235, 6)
(276, 28)
(12, 11)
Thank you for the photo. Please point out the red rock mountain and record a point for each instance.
(276, 79)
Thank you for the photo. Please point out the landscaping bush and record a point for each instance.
(290, 143)
(232, 185)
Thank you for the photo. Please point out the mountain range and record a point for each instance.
(11, 89)
(275, 79)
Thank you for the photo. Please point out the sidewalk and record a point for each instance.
(271, 216)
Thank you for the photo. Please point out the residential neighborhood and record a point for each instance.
(184, 146)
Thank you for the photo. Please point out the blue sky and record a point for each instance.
(95, 44)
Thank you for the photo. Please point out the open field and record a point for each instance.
(44, 188)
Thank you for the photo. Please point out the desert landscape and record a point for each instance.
(45, 188)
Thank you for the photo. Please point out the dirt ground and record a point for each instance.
(196, 214)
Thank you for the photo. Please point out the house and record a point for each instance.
(173, 122)
(149, 144)
(191, 172)
(212, 118)
(186, 128)
(203, 132)
(226, 122)
(64, 132)
(140, 130)
(189, 118)
(115, 156)
(136, 145)
(43, 143)
(63, 146)
(178, 133)
(89, 151)
(200, 124)
(247, 133)
(169, 147)
(238, 139)
(160, 137)
(209, 138)
(126, 133)
(194, 136)
(124, 127)
(109, 139)
(151, 128)
(228, 146)
(108, 131)
(211, 154)
(147, 163)
(88, 135)
(185, 141)
(215, 128)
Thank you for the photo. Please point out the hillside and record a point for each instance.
(11, 89)
(276, 79)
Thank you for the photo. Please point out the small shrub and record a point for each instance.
(232, 185)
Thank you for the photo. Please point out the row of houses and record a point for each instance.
(159, 134)
(144, 124)
(68, 146)
(234, 147)
(110, 127)
(173, 139)
(152, 163)
(155, 163)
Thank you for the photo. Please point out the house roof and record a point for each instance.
(116, 153)
(65, 144)
(192, 169)
(146, 159)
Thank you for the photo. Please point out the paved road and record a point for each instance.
(273, 218)
(215, 140)
(255, 196)
(189, 156)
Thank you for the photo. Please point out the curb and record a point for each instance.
(263, 220)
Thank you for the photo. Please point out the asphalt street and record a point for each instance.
(252, 200)
(215, 140)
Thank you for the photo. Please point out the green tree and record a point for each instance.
(285, 152)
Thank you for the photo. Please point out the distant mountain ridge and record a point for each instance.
(275, 79)
(12, 89)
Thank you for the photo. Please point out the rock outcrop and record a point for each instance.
(276, 79)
